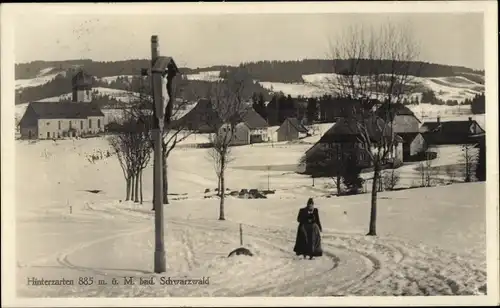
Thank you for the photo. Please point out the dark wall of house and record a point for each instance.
(29, 118)
(287, 132)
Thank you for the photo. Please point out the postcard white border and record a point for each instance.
(8, 12)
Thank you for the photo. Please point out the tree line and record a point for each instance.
(95, 68)
(292, 71)
(271, 71)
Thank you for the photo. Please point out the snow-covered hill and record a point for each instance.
(44, 76)
(445, 88)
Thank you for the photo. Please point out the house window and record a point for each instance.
(98, 123)
(90, 123)
(70, 125)
(48, 123)
(81, 124)
(48, 135)
(59, 124)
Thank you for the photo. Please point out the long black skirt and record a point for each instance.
(308, 241)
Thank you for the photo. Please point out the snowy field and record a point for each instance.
(205, 76)
(431, 241)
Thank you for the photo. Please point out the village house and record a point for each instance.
(451, 132)
(251, 128)
(258, 127)
(52, 120)
(406, 125)
(345, 135)
(291, 129)
(239, 135)
(202, 118)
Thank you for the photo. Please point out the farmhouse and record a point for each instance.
(291, 129)
(204, 119)
(256, 124)
(451, 132)
(201, 119)
(251, 128)
(240, 135)
(344, 136)
(50, 120)
(406, 125)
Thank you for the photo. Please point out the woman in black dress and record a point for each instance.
(308, 242)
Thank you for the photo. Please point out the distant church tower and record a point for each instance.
(82, 87)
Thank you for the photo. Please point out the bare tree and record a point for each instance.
(469, 157)
(132, 148)
(376, 68)
(450, 171)
(427, 171)
(327, 162)
(227, 102)
(215, 157)
(390, 179)
(174, 131)
(121, 145)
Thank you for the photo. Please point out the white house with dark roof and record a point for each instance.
(251, 128)
(52, 120)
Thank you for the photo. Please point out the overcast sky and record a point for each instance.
(203, 40)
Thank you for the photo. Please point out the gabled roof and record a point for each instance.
(348, 130)
(65, 110)
(201, 118)
(294, 122)
(397, 109)
(163, 63)
(252, 119)
(449, 127)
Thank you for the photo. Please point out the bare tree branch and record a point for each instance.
(374, 66)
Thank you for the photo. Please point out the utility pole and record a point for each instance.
(158, 122)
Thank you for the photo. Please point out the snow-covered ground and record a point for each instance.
(205, 76)
(430, 240)
(110, 79)
(295, 89)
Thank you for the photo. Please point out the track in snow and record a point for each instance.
(351, 265)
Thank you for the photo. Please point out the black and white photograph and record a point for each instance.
(250, 153)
